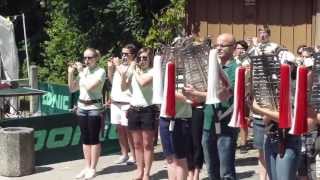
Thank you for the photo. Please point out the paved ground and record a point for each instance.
(246, 167)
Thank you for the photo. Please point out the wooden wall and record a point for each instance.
(290, 20)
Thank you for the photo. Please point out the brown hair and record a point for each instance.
(132, 48)
(149, 51)
(265, 28)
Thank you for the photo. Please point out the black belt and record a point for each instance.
(89, 102)
(141, 108)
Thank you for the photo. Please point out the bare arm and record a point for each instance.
(142, 78)
(266, 113)
(72, 83)
(111, 70)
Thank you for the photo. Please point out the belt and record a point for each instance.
(141, 108)
(89, 102)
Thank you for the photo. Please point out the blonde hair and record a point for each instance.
(96, 52)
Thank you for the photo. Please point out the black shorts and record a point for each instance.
(141, 118)
(177, 142)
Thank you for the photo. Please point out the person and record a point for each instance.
(307, 56)
(281, 152)
(240, 53)
(218, 139)
(299, 53)
(141, 121)
(89, 81)
(175, 135)
(120, 101)
(263, 47)
(241, 56)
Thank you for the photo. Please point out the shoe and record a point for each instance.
(90, 173)
(131, 161)
(122, 159)
(81, 174)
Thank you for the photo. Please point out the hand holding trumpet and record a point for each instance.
(72, 66)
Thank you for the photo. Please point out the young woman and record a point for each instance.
(89, 81)
(141, 121)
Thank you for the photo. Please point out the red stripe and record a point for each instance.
(284, 109)
(301, 125)
(171, 100)
(241, 98)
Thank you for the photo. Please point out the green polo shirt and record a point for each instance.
(211, 109)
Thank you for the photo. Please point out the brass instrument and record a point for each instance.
(265, 78)
(191, 62)
(315, 88)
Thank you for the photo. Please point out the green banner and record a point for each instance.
(57, 137)
(58, 99)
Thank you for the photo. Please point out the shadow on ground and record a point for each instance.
(117, 169)
(242, 175)
(245, 174)
(162, 174)
(248, 161)
(158, 156)
(42, 169)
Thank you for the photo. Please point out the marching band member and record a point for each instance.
(90, 82)
(141, 114)
(120, 100)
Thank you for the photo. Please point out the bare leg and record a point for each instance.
(138, 148)
(87, 155)
(130, 143)
(190, 175)
(122, 134)
(262, 164)
(95, 154)
(171, 168)
(148, 138)
(196, 173)
(243, 136)
(181, 169)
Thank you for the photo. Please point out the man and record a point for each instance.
(120, 101)
(263, 47)
(219, 140)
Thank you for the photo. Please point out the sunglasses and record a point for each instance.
(125, 54)
(223, 45)
(143, 58)
(88, 57)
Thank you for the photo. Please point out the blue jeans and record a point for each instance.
(282, 168)
(219, 153)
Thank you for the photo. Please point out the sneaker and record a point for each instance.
(122, 159)
(90, 173)
(81, 174)
(131, 161)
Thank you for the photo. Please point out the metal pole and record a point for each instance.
(26, 43)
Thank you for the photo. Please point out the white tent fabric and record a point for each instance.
(8, 50)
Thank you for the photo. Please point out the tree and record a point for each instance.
(167, 25)
(65, 44)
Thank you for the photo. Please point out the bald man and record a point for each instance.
(218, 139)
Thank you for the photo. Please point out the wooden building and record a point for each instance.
(292, 22)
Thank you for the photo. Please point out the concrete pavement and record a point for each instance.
(246, 167)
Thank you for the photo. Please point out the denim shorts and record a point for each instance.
(176, 142)
(258, 133)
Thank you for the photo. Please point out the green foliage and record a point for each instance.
(107, 25)
(65, 43)
(167, 25)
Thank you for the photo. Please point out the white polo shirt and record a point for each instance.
(86, 76)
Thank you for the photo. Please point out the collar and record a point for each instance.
(229, 63)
